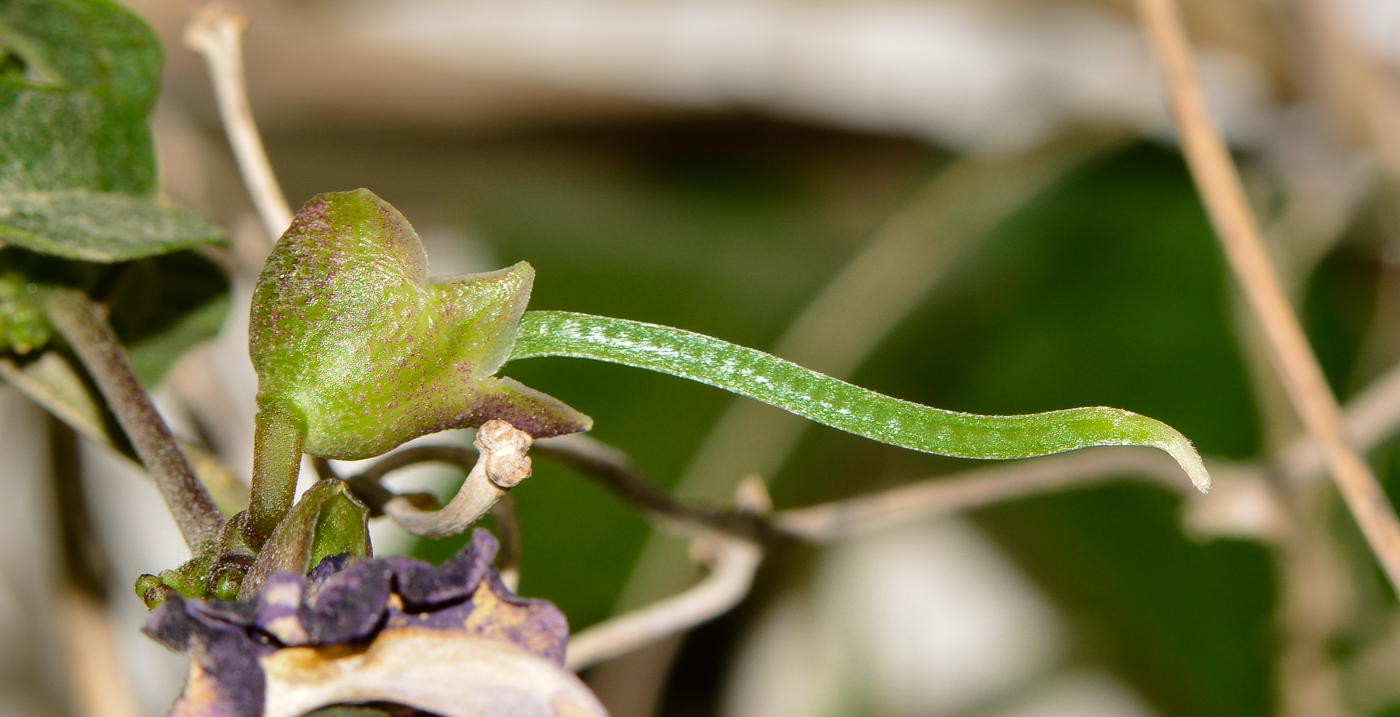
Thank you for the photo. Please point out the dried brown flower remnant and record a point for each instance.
(451, 640)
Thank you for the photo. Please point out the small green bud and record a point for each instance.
(23, 325)
(349, 331)
(152, 590)
(225, 581)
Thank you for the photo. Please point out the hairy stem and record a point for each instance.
(278, 436)
(841, 405)
(80, 323)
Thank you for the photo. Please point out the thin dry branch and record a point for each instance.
(1235, 225)
(618, 473)
(976, 489)
(508, 533)
(1371, 417)
(216, 32)
(501, 466)
(1357, 78)
(98, 686)
(367, 487)
(732, 562)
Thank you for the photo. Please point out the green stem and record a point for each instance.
(278, 437)
(81, 324)
(839, 404)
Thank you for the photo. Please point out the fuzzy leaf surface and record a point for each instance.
(78, 178)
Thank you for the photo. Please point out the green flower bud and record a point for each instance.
(23, 326)
(349, 333)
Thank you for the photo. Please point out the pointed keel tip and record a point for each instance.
(1190, 461)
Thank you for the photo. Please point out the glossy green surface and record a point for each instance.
(348, 329)
(838, 404)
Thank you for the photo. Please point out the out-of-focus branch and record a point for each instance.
(976, 489)
(367, 487)
(1371, 418)
(80, 323)
(935, 496)
(732, 562)
(216, 32)
(405, 457)
(508, 533)
(99, 687)
(1235, 226)
(1356, 78)
(618, 473)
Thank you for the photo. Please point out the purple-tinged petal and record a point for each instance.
(349, 605)
(421, 586)
(169, 625)
(279, 609)
(535, 625)
(226, 679)
(330, 565)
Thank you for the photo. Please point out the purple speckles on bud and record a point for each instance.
(347, 328)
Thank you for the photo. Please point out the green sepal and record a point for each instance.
(328, 520)
(342, 527)
(24, 326)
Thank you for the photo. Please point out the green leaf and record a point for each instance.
(328, 520)
(78, 179)
(838, 404)
(162, 307)
(92, 226)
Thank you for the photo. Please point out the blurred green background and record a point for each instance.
(1107, 288)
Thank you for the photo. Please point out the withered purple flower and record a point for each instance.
(450, 640)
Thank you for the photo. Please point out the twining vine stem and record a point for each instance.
(80, 321)
(1221, 191)
(733, 562)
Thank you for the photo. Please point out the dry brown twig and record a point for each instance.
(616, 471)
(501, 466)
(732, 562)
(1235, 226)
(216, 32)
(973, 489)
